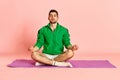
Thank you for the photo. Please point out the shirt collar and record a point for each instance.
(48, 25)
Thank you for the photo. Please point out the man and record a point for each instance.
(53, 37)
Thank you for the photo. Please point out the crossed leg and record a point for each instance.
(40, 57)
(65, 56)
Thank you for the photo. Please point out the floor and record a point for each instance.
(7, 73)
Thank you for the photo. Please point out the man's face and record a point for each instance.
(53, 17)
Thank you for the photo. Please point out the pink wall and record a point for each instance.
(93, 24)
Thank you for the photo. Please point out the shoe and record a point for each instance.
(69, 65)
(38, 64)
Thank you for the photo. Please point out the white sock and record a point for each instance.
(38, 64)
(67, 64)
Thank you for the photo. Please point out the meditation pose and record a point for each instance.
(53, 37)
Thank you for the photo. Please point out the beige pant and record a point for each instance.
(51, 56)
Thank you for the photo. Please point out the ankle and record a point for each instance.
(53, 62)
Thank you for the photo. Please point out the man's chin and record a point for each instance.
(53, 22)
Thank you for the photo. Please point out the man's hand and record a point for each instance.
(33, 49)
(74, 47)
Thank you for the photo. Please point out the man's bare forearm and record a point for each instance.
(35, 49)
(69, 47)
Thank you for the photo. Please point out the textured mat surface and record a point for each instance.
(22, 63)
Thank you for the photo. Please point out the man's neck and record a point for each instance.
(53, 26)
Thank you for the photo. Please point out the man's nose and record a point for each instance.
(52, 16)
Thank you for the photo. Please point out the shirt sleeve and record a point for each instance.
(66, 39)
(40, 39)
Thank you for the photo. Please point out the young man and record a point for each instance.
(53, 37)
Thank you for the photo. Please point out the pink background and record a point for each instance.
(93, 24)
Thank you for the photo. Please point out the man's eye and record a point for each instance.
(55, 15)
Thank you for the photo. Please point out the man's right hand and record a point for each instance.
(33, 49)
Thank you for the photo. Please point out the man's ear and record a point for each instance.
(48, 18)
(58, 17)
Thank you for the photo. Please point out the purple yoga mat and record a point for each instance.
(22, 63)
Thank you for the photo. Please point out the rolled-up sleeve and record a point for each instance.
(40, 39)
(66, 39)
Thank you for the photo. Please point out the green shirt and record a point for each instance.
(53, 42)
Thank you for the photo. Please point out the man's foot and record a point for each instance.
(38, 64)
(69, 64)
(66, 64)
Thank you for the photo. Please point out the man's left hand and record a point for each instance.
(74, 47)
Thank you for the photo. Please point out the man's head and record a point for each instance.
(53, 16)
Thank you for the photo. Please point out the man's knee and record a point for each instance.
(70, 53)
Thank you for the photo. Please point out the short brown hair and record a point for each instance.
(53, 10)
